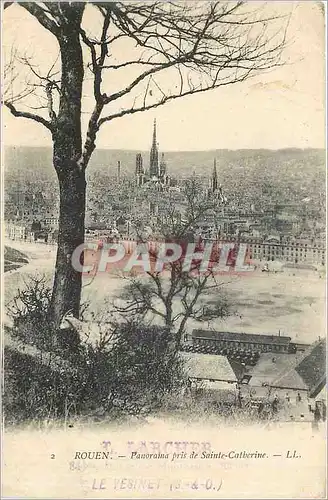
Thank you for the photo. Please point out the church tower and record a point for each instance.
(153, 167)
(162, 167)
(140, 173)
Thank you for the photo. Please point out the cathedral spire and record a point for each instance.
(118, 170)
(154, 167)
(214, 177)
(154, 145)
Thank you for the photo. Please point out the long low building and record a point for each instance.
(243, 341)
(282, 248)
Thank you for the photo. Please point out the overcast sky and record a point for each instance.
(284, 108)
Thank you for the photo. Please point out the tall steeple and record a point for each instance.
(214, 178)
(118, 170)
(154, 135)
(153, 167)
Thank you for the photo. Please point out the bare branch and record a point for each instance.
(211, 46)
(39, 13)
(30, 116)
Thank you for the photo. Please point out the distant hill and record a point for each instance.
(31, 162)
(258, 177)
(250, 177)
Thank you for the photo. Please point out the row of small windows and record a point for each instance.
(241, 345)
(290, 258)
(282, 248)
(314, 245)
(287, 250)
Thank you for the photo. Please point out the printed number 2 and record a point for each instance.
(52, 455)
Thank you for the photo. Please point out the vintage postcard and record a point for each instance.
(163, 249)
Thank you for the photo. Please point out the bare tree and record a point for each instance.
(175, 49)
(176, 294)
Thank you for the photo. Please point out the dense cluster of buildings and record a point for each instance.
(31, 232)
(272, 233)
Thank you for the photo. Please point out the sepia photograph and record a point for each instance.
(163, 249)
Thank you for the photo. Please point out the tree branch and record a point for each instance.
(40, 14)
(164, 100)
(30, 116)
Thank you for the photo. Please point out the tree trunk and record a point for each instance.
(67, 151)
(168, 315)
(66, 292)
(180, 331)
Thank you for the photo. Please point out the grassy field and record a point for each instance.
(292, 302)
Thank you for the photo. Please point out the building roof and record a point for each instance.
(291, 380)
(208, 367)
(275, 370)
(299, 371)
(312, 368)
(240, 337)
